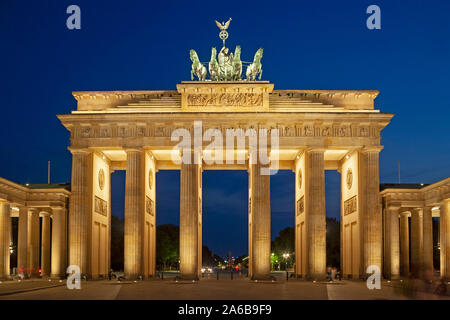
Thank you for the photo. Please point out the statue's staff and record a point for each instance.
(223, 34)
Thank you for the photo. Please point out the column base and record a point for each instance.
(132, 277)
(316, 277)
(187, 277)
(262, 277)
(394, 277)
(57, 277)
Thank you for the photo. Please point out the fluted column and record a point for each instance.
(22, 245)
(80, 208)
(445, 238)
(404, 245)
(190, 218)
(59, 243)
(134, 214)
(315, 213)
(5, 239)
(33, 242)
(45, 245)
(370, 210)
(260, 202)
(392, 240)
(427, 243)
(416, 242)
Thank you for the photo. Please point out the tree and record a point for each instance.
(284, 243)
(209, 258)
(167, 246)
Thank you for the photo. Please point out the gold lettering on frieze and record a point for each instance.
(163, 130)
(225, 99)
(105, 132)
(101, 206)
(350, 205)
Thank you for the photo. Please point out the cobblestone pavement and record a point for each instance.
(209, 289)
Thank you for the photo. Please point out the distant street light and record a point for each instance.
(286, 257)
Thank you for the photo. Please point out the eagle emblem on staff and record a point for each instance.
(223, 34)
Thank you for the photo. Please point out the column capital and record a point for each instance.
(314, 149)
(56, 207)
(367, 149)
(133, 150)
(404, 211)
(417, 209)
(45, 213)
(33, 210)
(79, 150)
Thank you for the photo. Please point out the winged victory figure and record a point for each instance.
(224, 25)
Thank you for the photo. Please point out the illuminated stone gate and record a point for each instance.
(318, 130)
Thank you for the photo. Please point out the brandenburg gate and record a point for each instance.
(132, 130)
(224, 123)
(143, 132)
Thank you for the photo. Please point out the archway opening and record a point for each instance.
(436, 244)
(117, 219)
(225, 220)
(282, 202)
(333, 218)
(167, 222)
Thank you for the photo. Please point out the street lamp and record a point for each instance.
(286, 257)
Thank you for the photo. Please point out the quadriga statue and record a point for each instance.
(198, 69)
(213, 66)
(256, 67)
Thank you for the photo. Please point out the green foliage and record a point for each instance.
(209, 258)
(284, 243)
(167, 246)
(274, 261)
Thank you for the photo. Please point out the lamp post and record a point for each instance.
(286, 257)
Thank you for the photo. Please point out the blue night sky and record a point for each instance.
(144, 45)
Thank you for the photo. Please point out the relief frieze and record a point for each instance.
(225, 99)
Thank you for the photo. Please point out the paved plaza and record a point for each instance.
(212, 289)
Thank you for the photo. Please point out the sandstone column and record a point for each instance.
(33, 242)
(5, 239)
(190, 217)
(370, 210)
(427, 243)
(404, 244)
(416, 241)
(59, 243)
(45, 245)
(315, 213)
(445, 238)
(22, 245)
(392, 240)
(134, 214)
(80, 207)
(260, 239)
